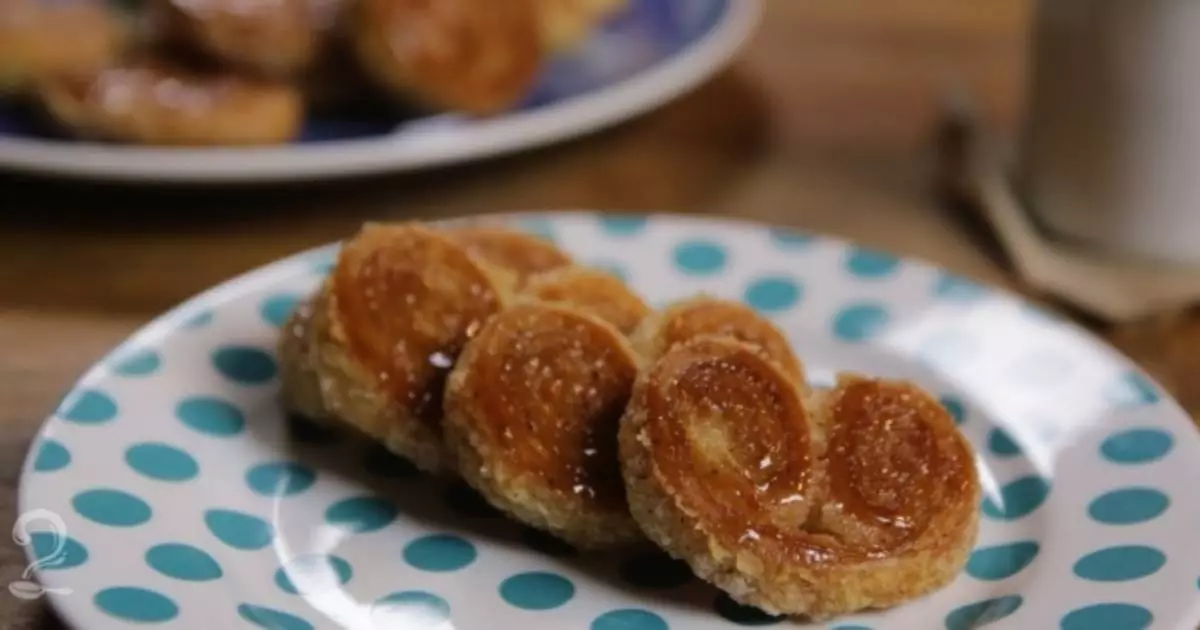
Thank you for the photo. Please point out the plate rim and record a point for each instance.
(177, 315)
(394, 153)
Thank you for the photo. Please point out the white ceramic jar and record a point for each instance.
(1110, 156)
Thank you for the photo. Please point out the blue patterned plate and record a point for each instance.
(642, 58)
(169, 489)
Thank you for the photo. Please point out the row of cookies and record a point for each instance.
(554, 391)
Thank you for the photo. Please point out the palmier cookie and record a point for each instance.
(276, 38)
(531, 417)
(590, 290)
(39, 40)
(402, 302)
(863, 499)
(300, 388)
(707, 316)
(520, 253)
(460, 55)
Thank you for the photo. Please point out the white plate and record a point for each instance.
(652, 53)
(152, 493)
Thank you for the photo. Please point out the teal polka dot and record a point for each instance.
(361, 514)
(89, 406)
(411, 609)
(238, 530)
(244, 365)
(858, 323)
(1128, 506)
(955, 407)
(1002, 561)
(276, 309)
(1133, 389)
(742, 615)
(211, 416)
(869, 264)
(183, 562)
(315, 573)
(381, 462)
(465, 502)
(546, 544)
(55, 552)
(280, 479)
(269, 619)
(1018, 499)
(439, 553)
(312, 433)
(1137, 446)
(537, 591)
(1108, 616)
(111, 507)
(540, 227)
(51, 456)
(162, 462)
(629, 619)
(623, 225)
(957, 289)
(1120, 564)
(784, 238)
(655, 570)
(1002, 445)
(979, 614)
(773, 294)
(199, 320)
(141, 363)
(140, 605)
(700, 257)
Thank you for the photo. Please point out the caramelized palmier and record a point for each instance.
(566, 23)
(531, 415)
(518, 252)
(156, 103)
(590, 290)
(402, 302)
(300, 388)
(862, 498)
(706, 316)
(276, 38)
(462, 55)
(39, 40)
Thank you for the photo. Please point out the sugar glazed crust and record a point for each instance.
(861, 497)
(531, 418)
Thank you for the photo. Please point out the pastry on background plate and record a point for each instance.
(400, 305)
(47, 39)
(471, 56)
(155, 102)
(531, 417)
(858, 498)
(565, 24)
(274, 38)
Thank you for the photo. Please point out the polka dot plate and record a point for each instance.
(169, 489)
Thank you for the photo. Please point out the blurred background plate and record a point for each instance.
(651, 53)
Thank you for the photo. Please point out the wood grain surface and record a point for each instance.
(827, 122)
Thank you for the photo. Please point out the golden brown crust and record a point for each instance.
(156, 103)
(531, 418)
(703, 316)
(863, 497)
(300, 388)
(403, 302)
(474, 57)
(565, 24)
(522, 254)
(277, 38)
(592, 291)
(42, 40)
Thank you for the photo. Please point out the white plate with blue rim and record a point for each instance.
(647, 55)
(168, 488)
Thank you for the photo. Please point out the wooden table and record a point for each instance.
(826, 123)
